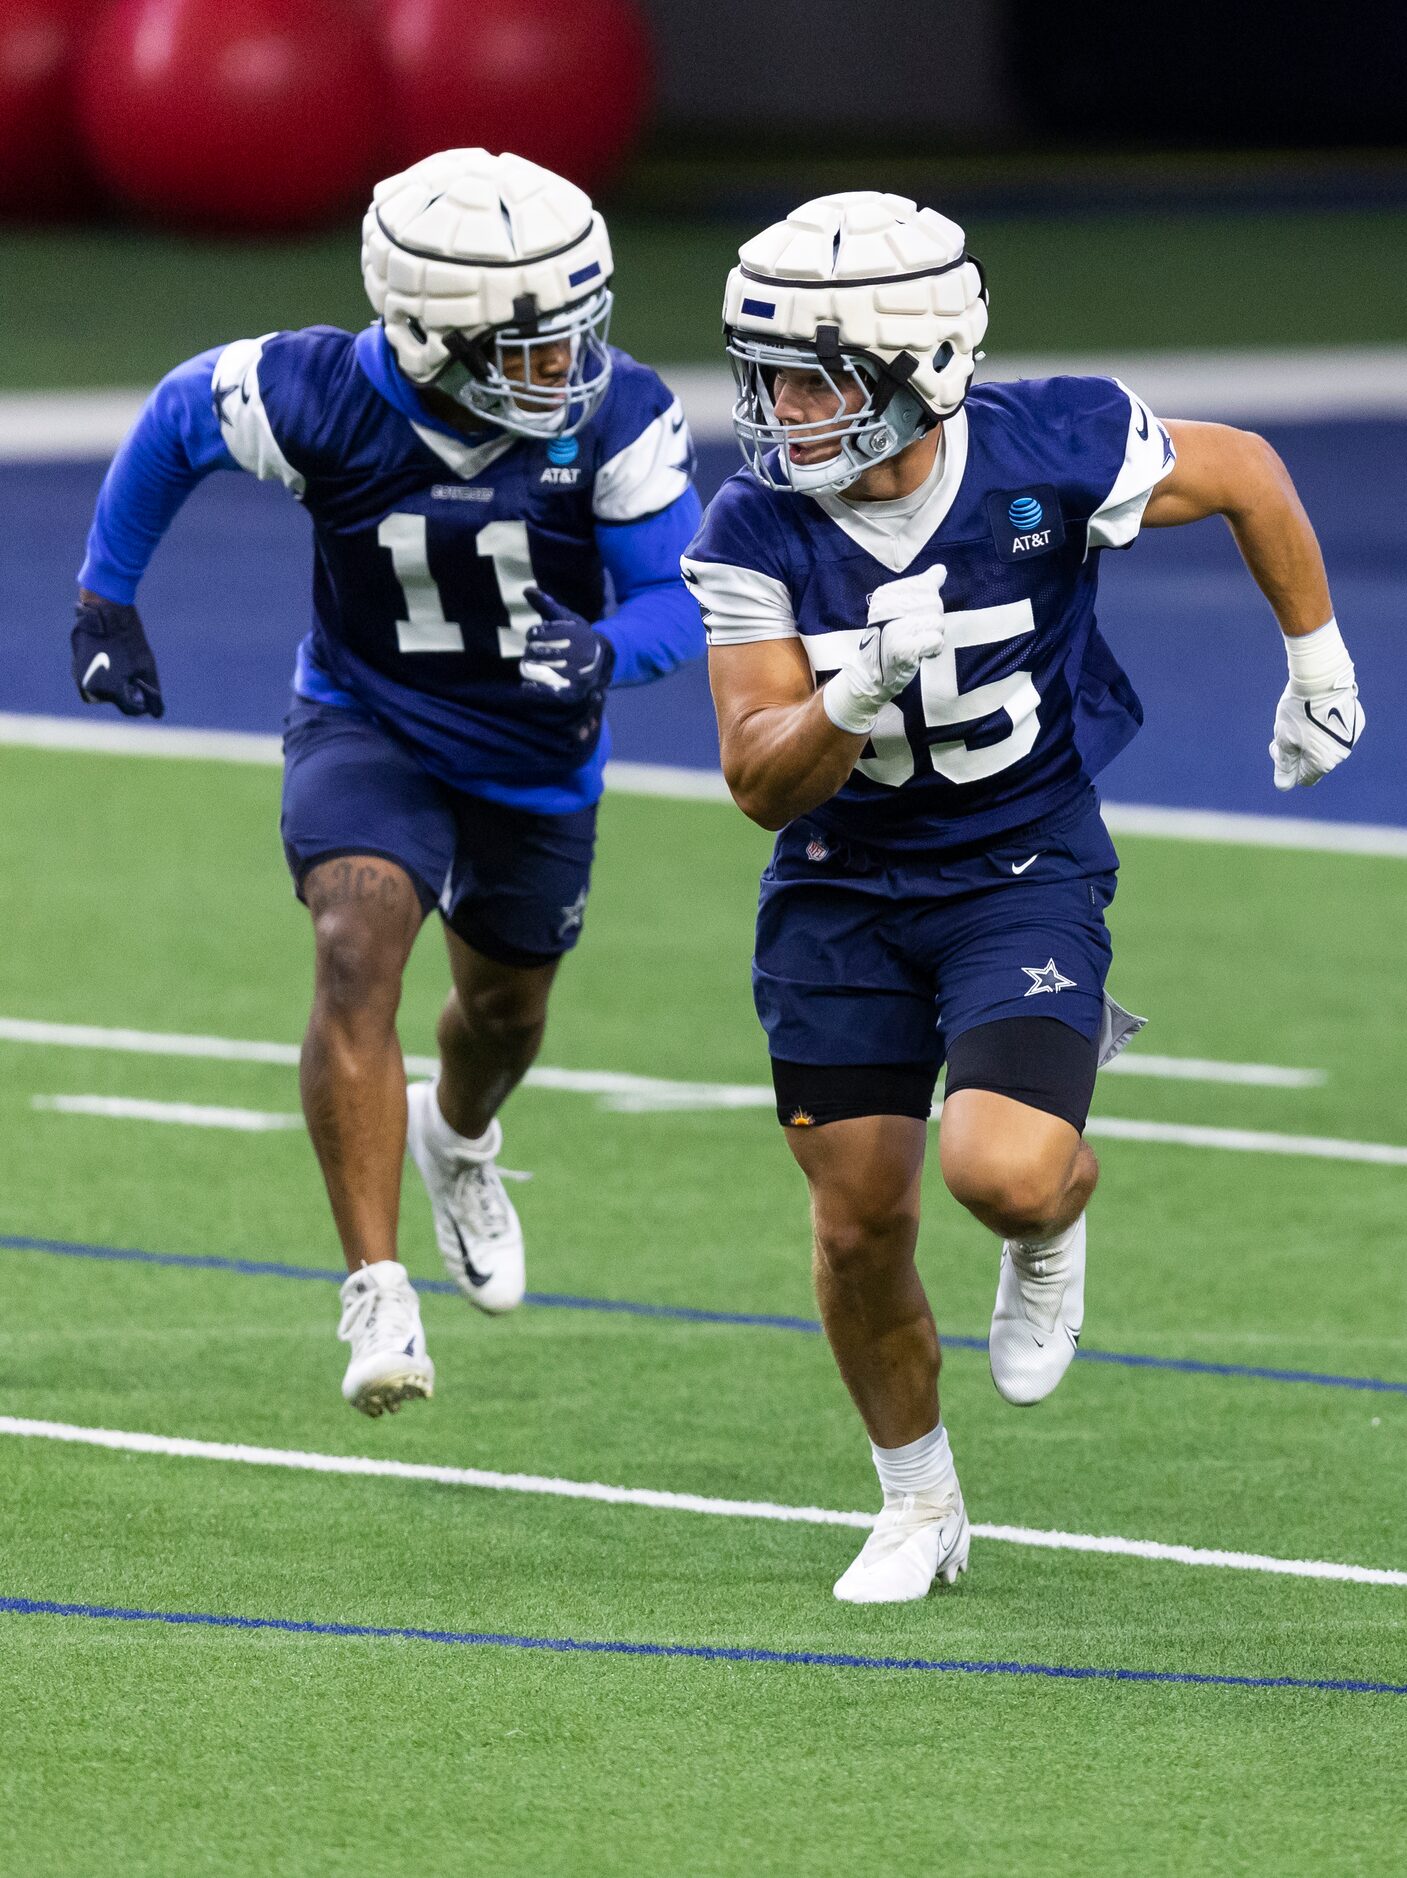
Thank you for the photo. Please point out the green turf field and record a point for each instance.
(152, 895)
(121, 306)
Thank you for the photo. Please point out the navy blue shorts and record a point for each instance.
(511, 883)
(866, 956)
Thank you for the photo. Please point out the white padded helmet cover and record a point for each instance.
(893, 278)
(456, 239)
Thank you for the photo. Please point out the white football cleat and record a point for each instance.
(1038, 1315)
(915, 1540)
(381, 1320)
(476, 1227)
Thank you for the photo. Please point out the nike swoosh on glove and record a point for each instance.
(112, 662)
(1318, 720)
(906, 617)
(565, 655)
(1314, 735)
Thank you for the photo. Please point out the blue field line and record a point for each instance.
(681, 1313)
(685, 1313)
(704, 1652)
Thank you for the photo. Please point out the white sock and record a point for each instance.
(924, 1466)
(447, 1142)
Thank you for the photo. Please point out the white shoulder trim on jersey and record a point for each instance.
(466, 459)
(244, 423)
(647, 475)
(739, 604)
(1146, 462)
(895, 532)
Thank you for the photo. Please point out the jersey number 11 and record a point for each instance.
(423, 627)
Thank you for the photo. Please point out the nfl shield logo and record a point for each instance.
(817, 851)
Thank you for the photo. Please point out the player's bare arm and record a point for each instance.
(781, 754)
(1235, 474)
(788, 744)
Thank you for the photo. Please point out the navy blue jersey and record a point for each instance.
(425, 540)
(1026, 702)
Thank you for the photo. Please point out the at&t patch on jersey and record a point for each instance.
(1026, 522)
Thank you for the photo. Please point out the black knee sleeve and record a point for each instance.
(1035, 1060)
(811, 1094)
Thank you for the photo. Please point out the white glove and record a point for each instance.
(1319, 719)
(906, 617)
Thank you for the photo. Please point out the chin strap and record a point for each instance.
(889, 375)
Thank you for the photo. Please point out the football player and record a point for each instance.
(911, 687)
(477, 464)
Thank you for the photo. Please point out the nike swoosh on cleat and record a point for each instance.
(409, 1349)
(101, 663)
(471, 1271)
(1024, 865)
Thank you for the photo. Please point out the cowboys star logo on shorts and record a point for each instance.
(1047, 977)
(572, 916)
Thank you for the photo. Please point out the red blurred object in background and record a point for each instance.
(565, 82)
(260, 115)
(42, 171)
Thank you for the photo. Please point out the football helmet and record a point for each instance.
(872, 292)
(475, 263)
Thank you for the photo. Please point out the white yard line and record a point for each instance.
(1209, 1069)
(49, 426)
(1254, 385)
(1378, 839)
(552, 1487)
(106, 735)
(154, 1043)
(1113, 1128)
(185, 1114)
(618, 1088)
(99, 736)
(1247, 1141)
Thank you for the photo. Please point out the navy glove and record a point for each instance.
(565, 655)
(112, 662)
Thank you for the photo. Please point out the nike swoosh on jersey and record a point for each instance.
(1142, 428)
(1021, 869)
(102, 663)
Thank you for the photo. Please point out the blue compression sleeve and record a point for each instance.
(656, 626)
(173, 444)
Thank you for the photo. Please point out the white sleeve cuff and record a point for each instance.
(739, 604)
(244, 423)
(1148, 457)
(648, 474)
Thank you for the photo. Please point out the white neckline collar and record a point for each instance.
(894, 532)
(464, 458)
